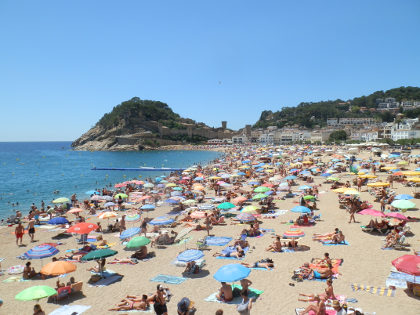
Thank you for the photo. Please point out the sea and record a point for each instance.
(34, 171)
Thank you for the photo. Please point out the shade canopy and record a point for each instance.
(35, 293)
(231, 273)
(99, 253)
(190, 255)
(56, 268)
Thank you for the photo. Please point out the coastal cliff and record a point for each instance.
(145, 125)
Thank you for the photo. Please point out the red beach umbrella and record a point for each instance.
(408, 264)
(82, 228)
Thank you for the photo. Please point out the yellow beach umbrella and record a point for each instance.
(402, 163)
(107, 215)
(388, 168)
(413, 179)
(340, 190)
(307, 162)
(378, 184)
(411, 173)
(171, 185)
(369, 176)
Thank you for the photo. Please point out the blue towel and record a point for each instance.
(404, 276)
(217, 240)
(259, 268)
(107, 281)
(332, 244)
(287, 250)
(168, 279)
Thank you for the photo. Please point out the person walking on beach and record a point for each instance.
(31, 229)
(122, 224)
(19, 233)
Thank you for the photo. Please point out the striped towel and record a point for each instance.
(382, 291)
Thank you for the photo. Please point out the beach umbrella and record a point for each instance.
(259, 196)
(123, 196)
(261, 189)
(378, 184)
(189, 202)
(340, 190)
(403, 204)
(148, 207)
(75, 210)
(171, 201)
(82, 228)
(190, 255)
(290, 177)
(239, 200)
(413, 179)
(56, 268)
(226, 206)
(58, 220)
(408, 264)
(309, 197)
(177, 188)
(130, 233)
(109, 204)
(149, 185)
(35, 293)
(41, 251)
(249, 209)
(231, 273)
(106, 198)
(163, 220)
(351, 192)
(396, 215)
(99, 253)
(61, 200)
(304, 187)
(372, 212)
(137, 242)
(132, 217)
(293, 233)
(301, 209)
(199, 178)
(335, 179)
(107, 215)
(403, 197)
(246, 217)
(170, 185)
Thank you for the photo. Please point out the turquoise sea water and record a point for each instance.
(32, 171)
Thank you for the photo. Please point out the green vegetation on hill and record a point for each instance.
(316, 113)
(145, 110)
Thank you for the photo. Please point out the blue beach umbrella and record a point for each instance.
(290, 177)
(91, 192)
(161, 221)
(171, 201)
(190, 255)
(41, 251)
(130, 233)
(301, 209)
(326, 174)
(403, 197)
(231, 273)
(304, 187)
(58, 220)
(109, 204)
(198, 178)
(148, 207)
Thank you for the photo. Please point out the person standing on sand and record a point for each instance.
(19, 231)
(122, 224)
(207, 222)
(31, 229)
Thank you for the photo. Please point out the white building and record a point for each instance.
(239, 139)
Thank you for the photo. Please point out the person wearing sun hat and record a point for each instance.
(338, 308)
(186, 307)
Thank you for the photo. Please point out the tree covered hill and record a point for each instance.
(316, 113)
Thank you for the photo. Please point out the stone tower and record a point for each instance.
(224, 125)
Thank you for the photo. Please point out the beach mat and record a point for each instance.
(332, 244)
(382, 291)
(253, 293)
(70, 309)
(217, 240)
(168, 279)
(107, 281)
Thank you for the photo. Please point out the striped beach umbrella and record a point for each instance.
(293, 233)
(130, 233)
(163, 220)
(190, 255)
(132, 217)
(107, 215)
(246, 217)
(148, 207)
(41, 251)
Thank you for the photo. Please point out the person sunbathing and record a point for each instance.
(319, 308)
(164, 239)
(187, 218)
(225, 293)
(328, 295)
(100, 241)
(262, 263)
(132, 303)
(243, 243)
(216, 221)
(392, 239)
(141, 253)
(28, 271)
(100, 268)
(237, 253)
(276, 246)
(338, 238)
(253, 230)
(322, 237)
(192, 267)
(128, 260)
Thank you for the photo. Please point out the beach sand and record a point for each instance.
(364, 263)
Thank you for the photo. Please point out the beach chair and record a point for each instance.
(62, 293)
(401, 243)
(77, 287)
(201, 244)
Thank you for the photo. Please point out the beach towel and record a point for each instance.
(382, 291)
(329, 311)
(149, 310)
(107, 281)
(399, 279)
(217, 240)
(260, 268)
(14, 279)
(70, 309)
(231, 249)
(105, 273)
(184, 240)
(332, 244)
(168, 279)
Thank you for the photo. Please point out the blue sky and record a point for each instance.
(63, 64)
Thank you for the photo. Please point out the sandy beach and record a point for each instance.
(364, 260)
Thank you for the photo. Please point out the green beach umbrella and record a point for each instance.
(99, 253)
(226, 206)
(137, 242)
(61, 200)
(189, 202)
(120, 195)
(249, 209)
(259, 196)
(261, 189)
(177, 188)
(308, 197)
(403, 204)
(35, 293)
(335, 179)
